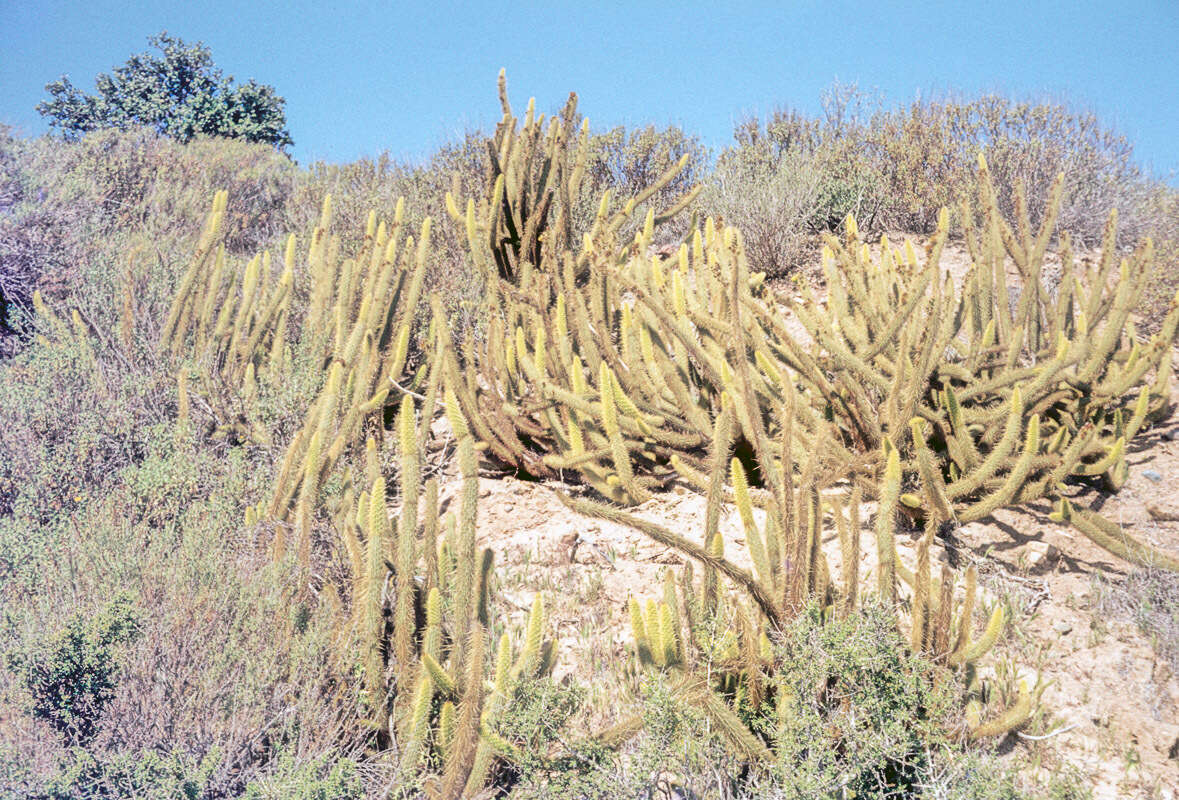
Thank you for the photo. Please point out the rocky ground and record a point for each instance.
(1111, 709)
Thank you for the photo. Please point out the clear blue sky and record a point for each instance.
(362, 78)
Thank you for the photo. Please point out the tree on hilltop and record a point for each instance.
(180, 94)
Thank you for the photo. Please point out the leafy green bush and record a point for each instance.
(852, 682)
(181, 94)
(145, 774)
(71, 677)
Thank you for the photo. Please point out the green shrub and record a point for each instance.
(71, 677)
(324, 778)
(865, 719)
(864, 712)
(145, 775)
(539, 714)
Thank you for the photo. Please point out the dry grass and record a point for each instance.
(1150, 598)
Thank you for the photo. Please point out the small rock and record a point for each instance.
(1151, 475)
(1171, 435)
(1062, 627)
(1040, 555)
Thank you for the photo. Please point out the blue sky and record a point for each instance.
(365, 77)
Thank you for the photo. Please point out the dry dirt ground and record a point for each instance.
(1110, 713)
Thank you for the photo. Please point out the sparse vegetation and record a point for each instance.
(240, 549)
(1149, 598)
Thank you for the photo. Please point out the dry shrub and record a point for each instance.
(138, 179)
(26, 242)
(1150, 598)
(68, 425)
(121, 209)
(923, 156)
(232, 666)
(626, 162)
(772, 201)
(228, 677)
(926, 153)
(1163, 218)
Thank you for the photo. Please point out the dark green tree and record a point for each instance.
(179, 93)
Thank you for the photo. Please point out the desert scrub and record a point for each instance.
(223, 674)
(144, 774)
(772, 197)
(625, 162)
(68, 424)
(1163, 215)
(539, 715)
(369, 185)
(87, 218)
(326, 777)
(909, 162)
(863, 718)
(861, 714)
(675, 752)
(71, 676)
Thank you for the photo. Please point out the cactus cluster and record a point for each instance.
(359, 320)
(608, 363)
(941, 399)
(791, 570)
(547, 308)
(420, 608)
(231, 331)
(997, 389)
(232, 326)
(417, 595)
